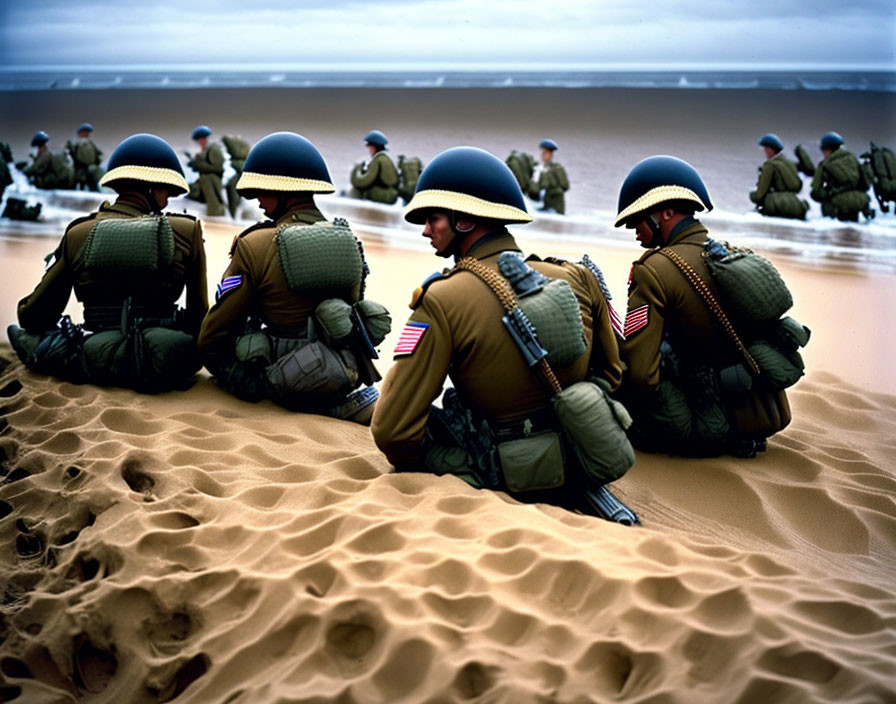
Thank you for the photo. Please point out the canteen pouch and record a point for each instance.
(314, 372)
(669, 412)
(333, 317)
(533, 462)
(595, 425)
(376, 319)
(735, 379)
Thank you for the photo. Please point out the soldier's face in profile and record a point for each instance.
(438, 229)
(643, 233)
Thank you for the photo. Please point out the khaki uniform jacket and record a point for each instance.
(773, 180)
(381, 172)
(254, 285)
(210, 160)
(662, 300)
(467, 341)
(41, 310)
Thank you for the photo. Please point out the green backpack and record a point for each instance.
(880, 163)
(409, 170)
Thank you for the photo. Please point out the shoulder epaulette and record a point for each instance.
(553, 260)
(417, 296)
(256, 226)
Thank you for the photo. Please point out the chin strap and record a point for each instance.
(459, 233)
(656, 231)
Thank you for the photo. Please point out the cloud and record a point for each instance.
(689, 31)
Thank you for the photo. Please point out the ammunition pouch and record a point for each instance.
(312, 375)
(533, 462)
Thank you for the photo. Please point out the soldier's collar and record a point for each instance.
(491, 243)
(684, 228)
(128, 207)
(306, 214)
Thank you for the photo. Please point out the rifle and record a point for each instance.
(360, 344)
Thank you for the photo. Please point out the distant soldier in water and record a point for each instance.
(238, 148)
(48, 170)
(779, 182)
(840, 183)
(549, 181)
(86, 158)
(376, 179)
(209, 162)
(522, 164)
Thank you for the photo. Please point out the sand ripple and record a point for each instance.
(194, 548)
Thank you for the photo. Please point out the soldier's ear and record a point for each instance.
(667, 214)
(464, 225)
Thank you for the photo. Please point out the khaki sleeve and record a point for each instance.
(561, 178)
(366, 179)
(644, 321)
(410, 387)
(197, 283)
(388, 172)
(228, 316)
(765, 182)
(41, 310)
(818, 191)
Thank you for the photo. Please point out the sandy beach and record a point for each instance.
(193, 548)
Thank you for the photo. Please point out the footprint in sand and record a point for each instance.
(138, 480)
(93, 668)
(474, 679)
(188, 673)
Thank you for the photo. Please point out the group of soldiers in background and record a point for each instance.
(840, 182)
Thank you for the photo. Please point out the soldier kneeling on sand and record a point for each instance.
(528, 345)
(128, 263)
(779, 182)
(86, 158)
(549, 180)
(290, 321)
(708, 354)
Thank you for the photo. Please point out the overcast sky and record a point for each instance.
(832, 33)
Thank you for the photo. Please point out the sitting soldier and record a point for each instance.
(376, 179)
(290, 321)
(128, 263)
(779, 182)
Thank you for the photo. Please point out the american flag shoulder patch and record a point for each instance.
(410, 337)
(229, 283)
(635, 320)
(615, 321)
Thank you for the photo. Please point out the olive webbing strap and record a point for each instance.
(502, 289)
(703, 290)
